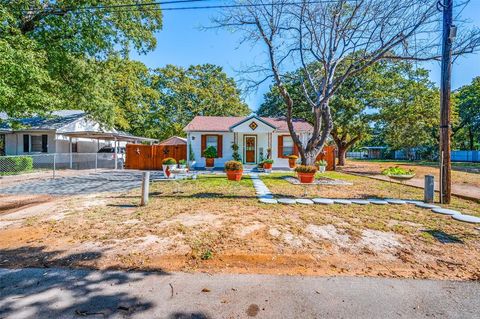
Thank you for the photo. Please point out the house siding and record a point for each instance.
(194, 138)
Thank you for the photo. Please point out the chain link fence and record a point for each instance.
(22, 164)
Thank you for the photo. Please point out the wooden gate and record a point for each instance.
(328, 154)
(150, 157)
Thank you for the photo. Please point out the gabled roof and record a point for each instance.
(58, 119)
(225, 123)
(253, 117)
(174, 140)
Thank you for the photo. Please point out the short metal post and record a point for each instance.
(96, 161)
(54, 164)
(429, 190)
(145, 188)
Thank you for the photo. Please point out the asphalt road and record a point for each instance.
(63, 293)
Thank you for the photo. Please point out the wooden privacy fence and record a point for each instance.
(139, 156)
(328, 154)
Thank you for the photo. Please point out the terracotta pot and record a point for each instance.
(234, 175)
(306, 178)
(292, 163)
(267, 165)
(209, 162)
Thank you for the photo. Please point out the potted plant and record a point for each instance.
(168, 164)
(234, 170)
(182, 164)
(210, 153)
(398, 173)
(267, 164)
(322, 165)
(306, 173)
(292, 161)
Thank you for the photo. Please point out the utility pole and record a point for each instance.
(449, 32)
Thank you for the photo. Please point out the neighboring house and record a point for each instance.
(62, 132)
(254, 135)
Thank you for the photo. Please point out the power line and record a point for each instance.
(150, 6)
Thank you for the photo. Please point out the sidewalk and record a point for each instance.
(63, 293)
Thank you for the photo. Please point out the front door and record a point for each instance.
(250, 149)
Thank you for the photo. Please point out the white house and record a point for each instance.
(67, 131)
(254, 135)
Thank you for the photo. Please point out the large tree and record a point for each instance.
(182, 94)
(72, 40)
(326, 34)
(467, 132)
(408, 107)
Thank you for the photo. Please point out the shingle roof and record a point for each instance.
(223, 123)
(55, 121)
(174, 140)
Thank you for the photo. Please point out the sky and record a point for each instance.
(184, 41)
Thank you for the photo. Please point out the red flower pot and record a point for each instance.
(306, 178)
(209, 162)
(234, 175)
(267, 165)
(292, 163)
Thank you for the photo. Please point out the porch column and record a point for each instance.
(115, 152)
(188, 148)
(71, 153)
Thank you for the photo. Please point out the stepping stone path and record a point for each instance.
(343, 201)
(396, 201)
(425, 205)
(467, 218)
(323, 201)
(445, 211)
(268, 201)
(360, 201)
(378, 202)
(264, 195)
(287, 201)
(305, 201)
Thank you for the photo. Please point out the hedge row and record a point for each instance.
(14, 165)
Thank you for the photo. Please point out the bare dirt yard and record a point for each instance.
(465, 179)
(218, 226)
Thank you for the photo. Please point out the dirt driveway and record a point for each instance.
(465, 184)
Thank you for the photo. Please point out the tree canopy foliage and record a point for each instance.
(467, 131)
(56, 51)
(175, 95)
(395, 97)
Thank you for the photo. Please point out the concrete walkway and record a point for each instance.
(106, 181)
(61, 293)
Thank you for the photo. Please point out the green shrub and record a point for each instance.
(169, 161)
(268, 161)
(305, 169)
(233, 166)
(397, 171)
(182, 162)
(210, 152)
(15, 164)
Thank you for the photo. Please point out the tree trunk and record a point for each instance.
(341, 153)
